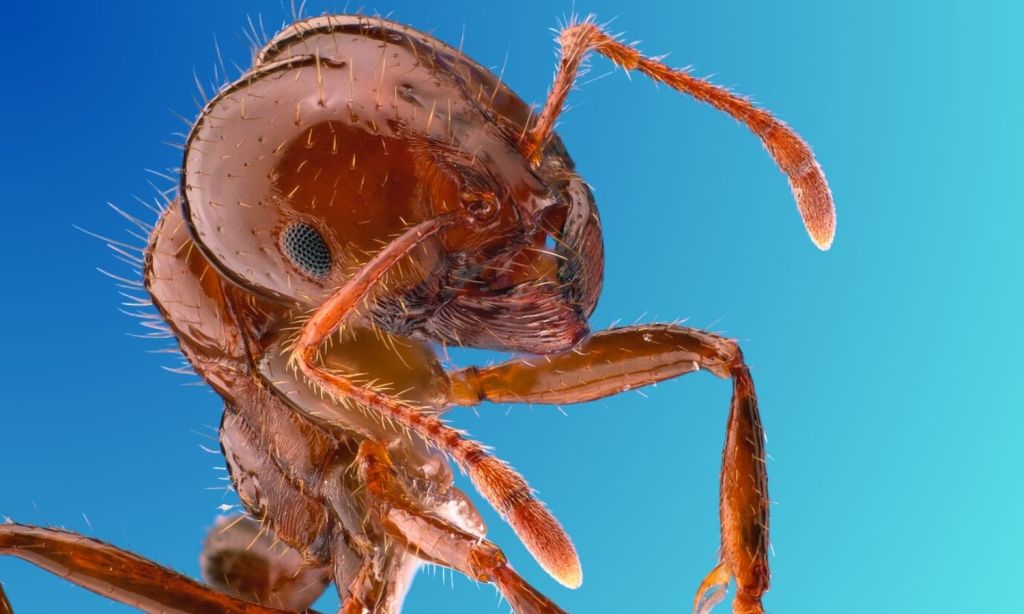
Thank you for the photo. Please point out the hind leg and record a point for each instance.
(243, 559)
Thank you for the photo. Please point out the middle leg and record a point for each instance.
(436, 539)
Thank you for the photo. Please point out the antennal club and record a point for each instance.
(790, 152)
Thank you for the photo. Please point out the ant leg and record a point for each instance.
(370, 590)
(242, 558)
(792, 155)
(438, 540)
(117, 574)
(617, 360)
(377, 585)
(502, 486)
(361, 591)
(5, 604)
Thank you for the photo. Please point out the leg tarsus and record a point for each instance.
(712, 589)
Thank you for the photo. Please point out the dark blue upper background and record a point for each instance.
(888, 368)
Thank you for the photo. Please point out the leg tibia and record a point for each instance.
(745, 492)
(743, 505)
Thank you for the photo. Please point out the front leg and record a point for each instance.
(501, 485)
(617, 360)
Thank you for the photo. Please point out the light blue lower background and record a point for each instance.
(888, 369)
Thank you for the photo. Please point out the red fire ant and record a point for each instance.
(363, 191)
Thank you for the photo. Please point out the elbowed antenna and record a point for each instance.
(790, 152)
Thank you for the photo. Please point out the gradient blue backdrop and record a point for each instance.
(888, 369)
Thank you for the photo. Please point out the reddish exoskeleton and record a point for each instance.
(362, 192)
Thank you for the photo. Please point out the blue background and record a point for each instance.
(888, 369)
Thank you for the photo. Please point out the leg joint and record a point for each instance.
(725, 358)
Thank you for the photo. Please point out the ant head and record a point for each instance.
(302, 169)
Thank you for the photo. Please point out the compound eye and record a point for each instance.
(306, 248)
